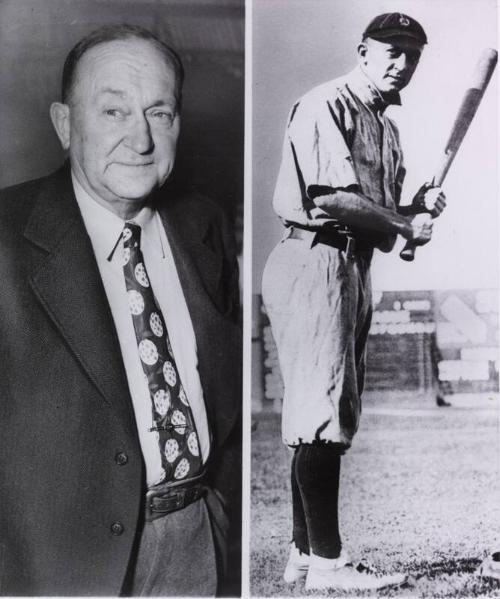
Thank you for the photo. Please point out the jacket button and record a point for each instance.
(117, 528)
(121, 458)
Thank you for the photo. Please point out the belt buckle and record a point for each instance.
(174, 500)
(171, 500)
(174, 496)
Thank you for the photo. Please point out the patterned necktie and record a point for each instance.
(173, 421)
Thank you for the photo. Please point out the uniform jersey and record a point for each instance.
(318, 298)
(338, 136)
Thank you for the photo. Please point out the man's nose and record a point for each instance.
(401, 61)
(139, 137)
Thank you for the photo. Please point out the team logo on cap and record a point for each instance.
(404, 21)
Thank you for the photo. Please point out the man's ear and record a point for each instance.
(59, 113)
(362, 50)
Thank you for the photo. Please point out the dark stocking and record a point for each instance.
(315, 475)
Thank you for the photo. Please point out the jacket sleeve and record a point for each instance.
(226, 483)
(226, 473)
(230, 272)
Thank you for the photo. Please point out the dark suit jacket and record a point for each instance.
(65, 408)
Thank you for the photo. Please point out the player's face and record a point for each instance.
(124, 123)
(390, 64)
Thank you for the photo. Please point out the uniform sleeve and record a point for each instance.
(399, 168)
(318, 134)
(399, 180)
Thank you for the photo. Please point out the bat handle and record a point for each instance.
(408, 252)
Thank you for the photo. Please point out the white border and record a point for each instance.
(247, 309)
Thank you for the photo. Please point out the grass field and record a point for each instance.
(419, 493)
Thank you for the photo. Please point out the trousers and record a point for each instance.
(319, 304)
(175, 556)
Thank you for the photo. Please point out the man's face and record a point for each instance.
(123, 122)
(390, 64)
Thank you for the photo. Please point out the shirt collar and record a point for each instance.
(366, 91)
(105, 227)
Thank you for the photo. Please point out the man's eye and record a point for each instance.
(166, 118)
(115, 113)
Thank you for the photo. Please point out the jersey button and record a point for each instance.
(121, 458)
(117, 528)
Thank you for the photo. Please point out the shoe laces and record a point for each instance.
(364, 567)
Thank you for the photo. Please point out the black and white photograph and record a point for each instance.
(375, 416)
(121, 163)
(249, 278)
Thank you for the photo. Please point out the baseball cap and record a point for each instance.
(395, 24)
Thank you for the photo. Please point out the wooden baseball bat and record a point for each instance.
(471, 100)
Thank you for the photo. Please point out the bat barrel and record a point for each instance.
(484, 69)
(472, 98)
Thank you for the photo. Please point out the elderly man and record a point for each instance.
(120, 386)
(338, 194)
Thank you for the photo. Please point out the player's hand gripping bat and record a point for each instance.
(471, 100)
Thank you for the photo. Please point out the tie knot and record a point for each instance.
(131, 235)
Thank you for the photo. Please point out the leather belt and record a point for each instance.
(169, 497)
(344, 241)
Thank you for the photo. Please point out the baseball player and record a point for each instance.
(338, 194)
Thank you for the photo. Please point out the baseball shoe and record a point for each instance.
(490, 567)
(441, 402)
(297, 565)
(345, 576)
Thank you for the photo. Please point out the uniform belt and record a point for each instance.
(345, 242)
(165, 498)
(331, 238)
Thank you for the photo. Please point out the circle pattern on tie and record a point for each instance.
(155, 324)
(179, 421)
(169, 374)
(182, 468)
(193, 444)
(135, 302)
(174, 429)
(126, 256)
(140, 274)
(171, 450)
(182, 396)
(162, 401)
(148, 352)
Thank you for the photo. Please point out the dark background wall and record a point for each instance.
(35, 37)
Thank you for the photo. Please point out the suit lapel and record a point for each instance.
(199, 270)
(198, 267)
(67, 283)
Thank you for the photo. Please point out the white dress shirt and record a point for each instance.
(104, 229)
